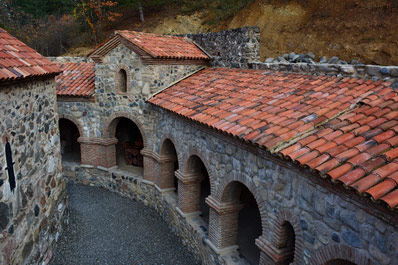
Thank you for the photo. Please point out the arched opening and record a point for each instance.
(249, 220)
(129, 146)
(339, 262)
(197, 168)
(287, 243)
(167, 172)
(70, 147)
(249, 227)
(121, 81)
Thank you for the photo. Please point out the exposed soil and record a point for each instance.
(350, 29)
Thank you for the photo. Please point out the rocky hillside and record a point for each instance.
(350, 29)
(366, 31)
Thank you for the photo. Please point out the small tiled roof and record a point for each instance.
(77, 79)
(345, 129)
(156, 46)
(18, 61)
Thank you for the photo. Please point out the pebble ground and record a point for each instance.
(106, 228)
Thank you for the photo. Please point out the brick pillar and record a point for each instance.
(223, 225)
(164, 178)
(189, 193)
(270, 254)
(98, 151)
(150, 164)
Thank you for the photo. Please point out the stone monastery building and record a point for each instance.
(249, 163)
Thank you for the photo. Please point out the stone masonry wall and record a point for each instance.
(328, 222)
(230, 48)
(145, 80)
(191, 233)
(32, 215)
(374, 72)
(321, 217)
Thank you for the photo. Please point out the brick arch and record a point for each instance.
(282, 217)
(168, 136)
(194, 151)
(340, 252)
(248, 183)
(128, 78)
(111, 124)
(74, 120)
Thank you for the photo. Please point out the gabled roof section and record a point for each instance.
(77, 79)
(345, 129)
(18, 61)
(154, 46)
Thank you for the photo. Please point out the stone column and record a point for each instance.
(223, 225)
(164, 179)
(188, 193)
(98, 151)
(150, 164)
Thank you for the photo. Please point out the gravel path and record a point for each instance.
(106, 228)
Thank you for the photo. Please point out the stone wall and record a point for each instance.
(328, 220)
(374, 72)
(230, 48)
(96, 117)
(69, 59)
(190, 232)
(31, 216)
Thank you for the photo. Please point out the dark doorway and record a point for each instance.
(170, 180)
(249, 227)
(129, 146)
(204, 193)
(70, 147)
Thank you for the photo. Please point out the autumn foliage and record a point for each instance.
(96, 13)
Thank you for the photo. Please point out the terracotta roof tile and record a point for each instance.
(18, 61)
(372, 164)
(77, 79)
(355, 145)
(366, 182)
(158, 46)
(339, 171)
(318, 161)
(382, 188)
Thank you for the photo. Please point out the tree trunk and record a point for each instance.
(140, 9)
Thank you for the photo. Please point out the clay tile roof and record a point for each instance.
(154, 45)
(18, 61)
(77, 79)
(311, 120)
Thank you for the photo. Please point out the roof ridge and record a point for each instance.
(152, 34)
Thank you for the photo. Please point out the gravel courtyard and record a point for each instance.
(106, 228)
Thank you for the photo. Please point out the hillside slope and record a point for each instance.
(350, 29)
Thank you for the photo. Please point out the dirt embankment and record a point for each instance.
(350, 29)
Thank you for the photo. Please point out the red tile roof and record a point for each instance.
(77, 79)
(345, 129)
(156, 46)
(18, 61)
